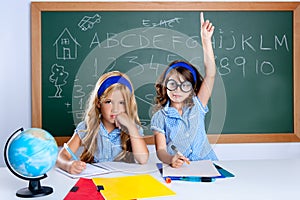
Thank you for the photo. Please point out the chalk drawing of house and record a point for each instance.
(66, 46)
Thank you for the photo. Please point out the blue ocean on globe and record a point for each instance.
(32, 152)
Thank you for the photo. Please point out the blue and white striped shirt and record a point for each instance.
(186, 132)
(108, 144)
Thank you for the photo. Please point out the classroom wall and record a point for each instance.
(15, 88)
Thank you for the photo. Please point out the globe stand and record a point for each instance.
(34, 190)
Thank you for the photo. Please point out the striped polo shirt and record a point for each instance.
(186, 131)
(108, 144)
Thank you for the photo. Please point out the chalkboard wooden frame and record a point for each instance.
(38, 7)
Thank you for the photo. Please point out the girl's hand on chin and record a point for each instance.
(122, 122)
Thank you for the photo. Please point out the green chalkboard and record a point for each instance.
(254, 88)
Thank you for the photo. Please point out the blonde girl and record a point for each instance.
(111, 128)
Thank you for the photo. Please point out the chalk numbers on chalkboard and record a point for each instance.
(261, 67)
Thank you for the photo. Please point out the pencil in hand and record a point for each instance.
(173, 147)
(70, 151)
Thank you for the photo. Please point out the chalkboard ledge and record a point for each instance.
(226, 138)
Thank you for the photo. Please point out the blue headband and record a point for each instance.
(184, 65)
(113, 80)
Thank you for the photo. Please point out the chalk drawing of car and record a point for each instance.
(88, 22)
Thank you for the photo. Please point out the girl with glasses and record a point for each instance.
(181, 104)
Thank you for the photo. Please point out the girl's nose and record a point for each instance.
(114, 108)
(178, 88)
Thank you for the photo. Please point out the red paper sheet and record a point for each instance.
(84, 189)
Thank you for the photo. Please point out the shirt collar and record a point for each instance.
(172, 112)
(104, 132)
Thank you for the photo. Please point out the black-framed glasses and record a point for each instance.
(185, 86)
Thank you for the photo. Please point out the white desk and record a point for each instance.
(255, 180)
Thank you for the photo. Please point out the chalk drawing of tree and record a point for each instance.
(58, 78)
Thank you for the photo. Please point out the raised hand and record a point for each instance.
(207, 29)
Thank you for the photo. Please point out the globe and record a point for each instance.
(30, 154)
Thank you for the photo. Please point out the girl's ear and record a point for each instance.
(98, 104)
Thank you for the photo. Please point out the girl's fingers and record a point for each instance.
(179, 160)
(207, 25)
(201, 18)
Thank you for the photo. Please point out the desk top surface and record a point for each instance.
(254, 179)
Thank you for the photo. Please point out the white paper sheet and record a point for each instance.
(90, 171)
(202, 168)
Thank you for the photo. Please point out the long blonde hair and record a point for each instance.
(92, 118)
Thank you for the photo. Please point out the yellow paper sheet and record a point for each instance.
(132, 187)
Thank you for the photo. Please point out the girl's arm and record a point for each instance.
(64, 158)
(138, 144)
(205, 91)
(162, 154)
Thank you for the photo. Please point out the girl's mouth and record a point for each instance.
(176, 96)
(113, 116)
